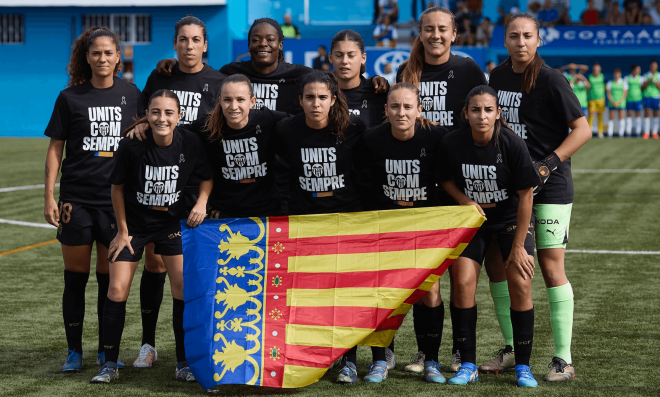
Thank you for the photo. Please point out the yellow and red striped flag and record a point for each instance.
(275, 301)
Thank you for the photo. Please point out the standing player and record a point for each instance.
(579, 83)
(617, 91)
(319, 146)
(400, 160)
(487, 165)
(651, 87)
(147, 195)
(634, 102)
(197, 86)
(540, 101)
(88, 118)
(597, 97)
(444, 80)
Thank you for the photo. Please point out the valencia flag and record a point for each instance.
(275, 301)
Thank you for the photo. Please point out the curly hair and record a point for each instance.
(78, 68)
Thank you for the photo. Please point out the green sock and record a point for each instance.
(561, 318)
(500, 294)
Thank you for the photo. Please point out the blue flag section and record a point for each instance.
(223, 293)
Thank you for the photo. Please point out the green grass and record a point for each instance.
(616, 340)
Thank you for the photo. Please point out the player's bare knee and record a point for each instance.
(118, 293)
(154, 264)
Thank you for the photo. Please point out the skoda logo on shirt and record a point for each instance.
(394, 58)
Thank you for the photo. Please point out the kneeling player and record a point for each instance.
(147, 185)
(487, 165)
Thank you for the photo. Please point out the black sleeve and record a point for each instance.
(142, 105)
(123, 163)
(444, 166)
(203, 168)
(278, 140)
(58, 126)
(478, 74)
(148, 90)
(563, 97)
(520, 164)
(399, 72)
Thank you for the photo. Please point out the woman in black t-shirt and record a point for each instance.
(540, 106)
(88, 118)
(147, 195)
(444, 80)
(487, 165)
(400, 159)
(197, 85)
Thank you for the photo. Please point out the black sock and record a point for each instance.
(523, 335)
(465, 334)
(73, 308)
(114, 315)
(391, 346)
(177, 324)
(351, 355)
(419, 326)
(151, 297)
(378, 353)
(452, 315)
(104, 282)
(435, 321)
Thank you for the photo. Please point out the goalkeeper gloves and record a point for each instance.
(543, 169)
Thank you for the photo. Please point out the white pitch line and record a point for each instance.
(613, 252)
(617, 171)
(20, 223)
(28, 187)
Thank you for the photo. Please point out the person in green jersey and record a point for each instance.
(617, 91)
(578, 82)
(651, 87)
(634, 99)
(597, 97)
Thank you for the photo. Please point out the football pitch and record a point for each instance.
(616, 334)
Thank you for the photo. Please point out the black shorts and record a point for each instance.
(166, 243)
(478, 246)
(80, 225)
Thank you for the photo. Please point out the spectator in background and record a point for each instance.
(388, 8)
(655, 13)
(289, 30)
(615, 16)
(489, 68)
(607, 4)
(533, 9)
(475, 12)
(504, 9)
(590, 16)
(548, 16)
(484, 32)
(385, 34)
(389, 74)
(647, 19)
(466, 32)
(633, 12)
(321, 62)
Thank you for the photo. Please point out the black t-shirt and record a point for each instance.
(365, 103)
(243, 176)
(278, 90)
(92, 122)
(154, 176)
(198, 94)
(489, 174)
(321, 179)
(540, 118)
(443, 88)
(402, 173)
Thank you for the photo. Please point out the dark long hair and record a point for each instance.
(216, 118)
(499, 123)
(272, 23)
(78, 68)
(415, 63)
(421, 120)
(189, 20)
(349, 35)
(160, 93)
(338, 117)
(533, 69)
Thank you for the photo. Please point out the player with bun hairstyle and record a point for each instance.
(147, 185)
(487, 165)
(444, 80)
(542, 109)
(88, 119)
(400, 160)
(197, 86)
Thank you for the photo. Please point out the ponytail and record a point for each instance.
(216, 118)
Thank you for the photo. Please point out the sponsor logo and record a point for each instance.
(551, 231)
(74, 324)
(547, 222)
(525, 342)
(394, 58)
(544, 170)
(174, 235)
